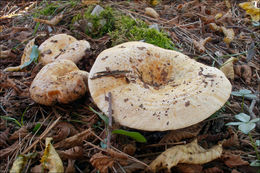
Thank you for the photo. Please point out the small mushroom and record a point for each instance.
(60, 81)
(62, 46)
(155, 89)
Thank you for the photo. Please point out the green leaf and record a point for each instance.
(254, 120)
(33, 57)
(103, 117)
(250, 96)
(234, 123)
(236, 93)
(243, 117)
(11, 119)
(247, 127)
(36, 127)
(255, 163)
(135, 135)
(245, 91)
(257, 142)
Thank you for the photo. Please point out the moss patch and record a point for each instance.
(121, 28)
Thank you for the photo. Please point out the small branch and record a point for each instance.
(109, 120)
(115, 73)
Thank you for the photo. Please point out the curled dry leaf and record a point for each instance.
(72, 153)
(64, 130)
(232, 160)
(251, 10)
(200, 46)
(190, 153)
(213, 170)
(50, 159)
(54, 21)
(244, 71)
(103, 162)
(228, 69)
(76, 140)
(129, 149)
(22, 132)
(180, 134)
(232, 141)
(151, 12)
(4, 138)
(229, 34)
(37, 169)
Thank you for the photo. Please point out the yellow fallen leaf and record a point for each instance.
(25, 58)
(20, 162)
(228, 69)
(50, 159)
(151, 12)
(252, 10)
(190, 153)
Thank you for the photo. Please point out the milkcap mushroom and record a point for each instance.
(155, 89)
(62, 46)
(60, 81)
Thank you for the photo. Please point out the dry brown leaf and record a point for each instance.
(228, 69)
(54, 21)
(232, 160)
(214, 27)
(151, 12)
(72, 153)
(232, 141)
(213, 170)
(244, 71)
(134, 167)
(188, 168)
(4, 138)
(76, 140)
(22, 132)
(251, 10)
(200, 46)
(190, 153)
(102, 162)
(70, 168)
(235, 171)
(50, 159)
(180, 134)
(129, 149)
(64, 130)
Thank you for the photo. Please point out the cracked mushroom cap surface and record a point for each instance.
(62, 46)
(60, 81)
(155, 89)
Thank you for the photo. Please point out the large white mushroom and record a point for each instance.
(155, 89)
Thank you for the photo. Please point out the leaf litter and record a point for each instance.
(187, 23)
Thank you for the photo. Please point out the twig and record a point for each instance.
(109, 120)
(115, 73)
(42, 135)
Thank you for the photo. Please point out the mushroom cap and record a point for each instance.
(75, 51)
(155, 89)
(60, 81)
(62, 45)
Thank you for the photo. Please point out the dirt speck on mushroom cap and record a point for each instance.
(174, 90)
